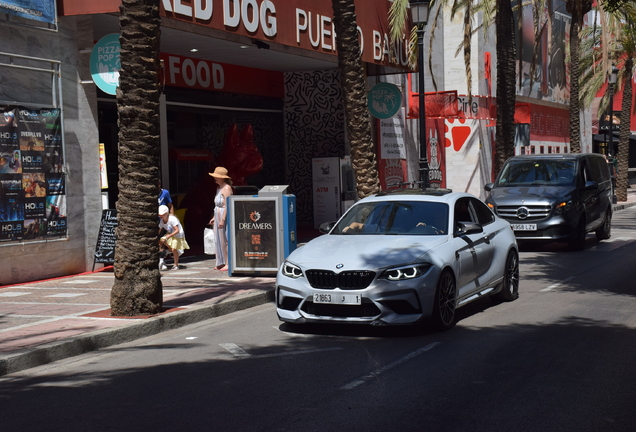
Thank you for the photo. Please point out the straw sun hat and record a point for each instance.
(220, 172)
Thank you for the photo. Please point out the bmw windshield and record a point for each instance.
(395, 217)
(537, 172)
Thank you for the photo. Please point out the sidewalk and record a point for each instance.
(49, 320)
(45, 321)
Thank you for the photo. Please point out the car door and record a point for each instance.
(589, 196)
(473, 252)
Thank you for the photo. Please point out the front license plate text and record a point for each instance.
(346, 299)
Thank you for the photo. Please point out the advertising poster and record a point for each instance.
(32, 184)
(255, 234)
(39, 10)
(326, 189)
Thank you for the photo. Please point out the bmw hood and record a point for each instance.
(530, 194)
(360, 252)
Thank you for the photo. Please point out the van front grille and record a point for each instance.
(532, 212)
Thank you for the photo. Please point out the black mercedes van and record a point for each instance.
(557, 197)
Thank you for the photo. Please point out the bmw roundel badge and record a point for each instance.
(339, 266)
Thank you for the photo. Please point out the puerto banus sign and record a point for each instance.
(384, 100)
(105, 63)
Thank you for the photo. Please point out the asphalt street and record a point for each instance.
(560, 358)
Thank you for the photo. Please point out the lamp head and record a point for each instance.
(613, 74)
(419, 11)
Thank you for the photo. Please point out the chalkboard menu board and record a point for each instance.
(105, 249)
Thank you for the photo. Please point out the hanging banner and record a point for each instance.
(39, 10)
(32, 184)
(326, 189)
(436, 152)
(392, 131)
(103, 173)
(393, 173)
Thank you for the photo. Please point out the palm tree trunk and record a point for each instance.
(137, 289)
(624, 134)
(363, 155)
(506, 71)
(575, 74)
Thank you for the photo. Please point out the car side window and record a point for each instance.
(483, 213)
(462, 212)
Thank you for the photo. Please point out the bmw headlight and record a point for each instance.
(290, 270)
(562, 207)
(404, 273)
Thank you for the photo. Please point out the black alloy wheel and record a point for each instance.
(510, 289)
(605, 231)
(445, 297)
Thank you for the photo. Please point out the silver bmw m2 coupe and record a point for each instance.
(400, 258)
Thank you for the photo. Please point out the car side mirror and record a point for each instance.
(591, 185)
(489, 186)
(464, 228)
(325, 227)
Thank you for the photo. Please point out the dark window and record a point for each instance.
(484, 215)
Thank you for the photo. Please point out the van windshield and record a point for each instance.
(537, 172)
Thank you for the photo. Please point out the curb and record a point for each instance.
(623, 206)
(76, 345)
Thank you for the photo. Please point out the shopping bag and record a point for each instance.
(209, 244)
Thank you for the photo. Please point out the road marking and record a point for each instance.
(81, 281)
(239, 352)
(235, 350)
(558, 284)
(378, 372)
(13, 294)
(67, 295)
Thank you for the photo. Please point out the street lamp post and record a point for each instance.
(612, 83)
(419, 16)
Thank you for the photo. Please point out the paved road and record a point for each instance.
(561, 358)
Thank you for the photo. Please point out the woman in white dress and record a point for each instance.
(223, 191)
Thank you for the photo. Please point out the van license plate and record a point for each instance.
(524, 227)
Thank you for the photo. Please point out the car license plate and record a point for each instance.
(524, 227)
(346, 299)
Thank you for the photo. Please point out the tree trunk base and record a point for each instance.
(137, 294)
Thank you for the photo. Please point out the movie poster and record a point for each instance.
(32, 182)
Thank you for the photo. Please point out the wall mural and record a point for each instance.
(314, 127)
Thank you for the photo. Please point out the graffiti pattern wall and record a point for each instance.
(314, 128)
(32, 182)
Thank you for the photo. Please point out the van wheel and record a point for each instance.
(605, 231)
(577, 242)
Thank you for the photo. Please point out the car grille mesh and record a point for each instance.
(366, 309)
(534, 212)
(346, 280)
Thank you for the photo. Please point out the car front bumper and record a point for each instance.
(382, 303)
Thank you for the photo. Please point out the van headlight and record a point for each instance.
(562, 207)
(291, 270)
(406, 272)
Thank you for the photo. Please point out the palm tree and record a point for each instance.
(363, 155)
(578, 9)
(506, 48)
(137, 289)
(611, 40)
